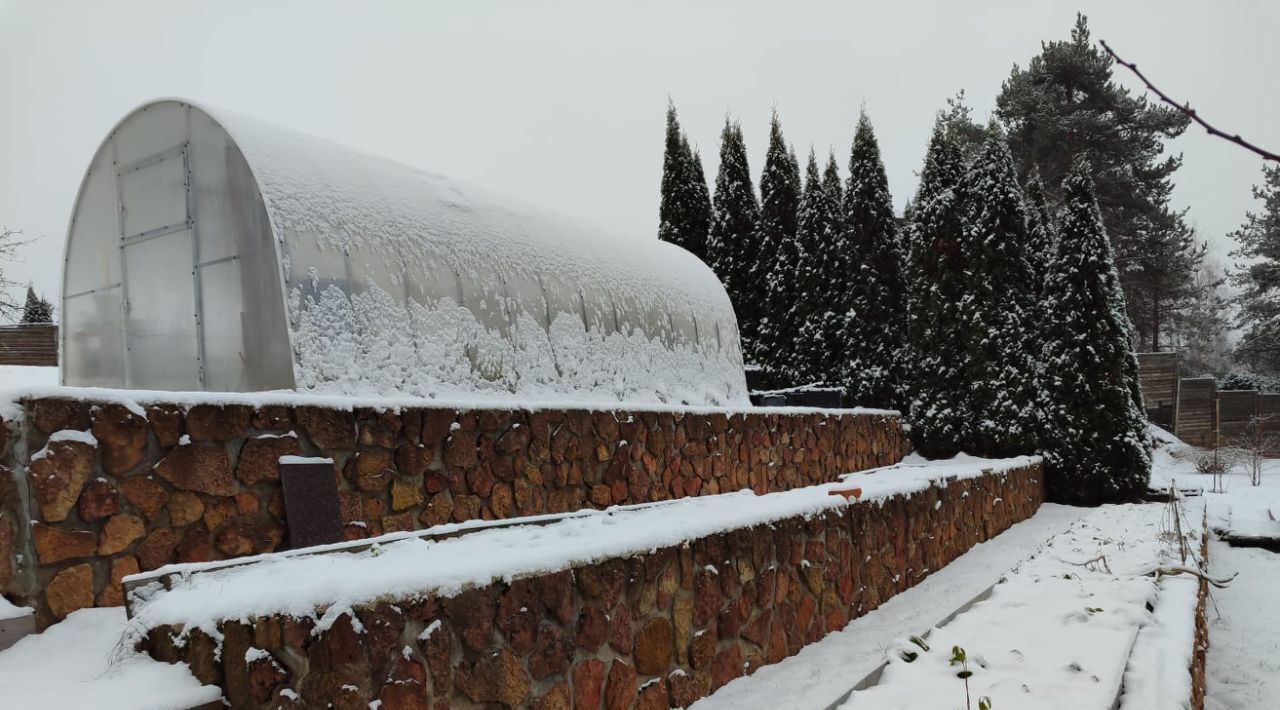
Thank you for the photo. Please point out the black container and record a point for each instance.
(829, 398)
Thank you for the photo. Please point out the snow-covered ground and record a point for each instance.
(1055, 633)
(22, 376)
(1244, 630)
(78, 664)
(822, 672)
(1244, 619)
(10, 611)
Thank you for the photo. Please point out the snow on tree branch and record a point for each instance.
(1186, 109)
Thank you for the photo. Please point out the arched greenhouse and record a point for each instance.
(208, 251)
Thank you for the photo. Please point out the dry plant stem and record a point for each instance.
(1219, 582)
(1188, 111)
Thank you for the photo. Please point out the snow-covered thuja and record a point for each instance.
(834, 186)
(1040, 227)
(874, 334)
(1098, 447)
(684, 210)
(1259, 279)
(700, 211)
(780, 258)
(825, 275)
(733, 245)
(36, 309)
(999, 310)
(935, 355)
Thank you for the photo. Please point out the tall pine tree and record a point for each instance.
(1064, 105)
(999, 311)
(780, 257)
(733, 246)
(1098, 450)
(938, 407)
(684, 209)
(873, 337)
(1258, 278)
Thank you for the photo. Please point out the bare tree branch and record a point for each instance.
(10, 241)
(1190, 112)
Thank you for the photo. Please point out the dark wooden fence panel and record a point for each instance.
(1197, 411)
(1236, 409)
(1158, 375)
(29, 345)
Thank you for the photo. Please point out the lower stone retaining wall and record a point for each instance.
(162, 482)
(654, 630)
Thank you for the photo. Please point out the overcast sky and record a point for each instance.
(561, 103)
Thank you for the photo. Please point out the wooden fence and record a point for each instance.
(1196, 411)
(1158, 375)
(29, 345)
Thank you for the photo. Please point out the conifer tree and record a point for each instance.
(813, 235)
(733, 247)
(700, 211)
(834, 186)
(37, 309)
(1040, 228)
(943, 168)
(873, 337)
(1098, 449)
(826, 277)
(780, 257)
(1258, 278)
(999, 309)
(683, 210)
(937, 410)
(1064, 105)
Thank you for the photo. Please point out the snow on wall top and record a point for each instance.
(614, 319)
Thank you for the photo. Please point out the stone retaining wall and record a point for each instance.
(166, 483)
(655, 630)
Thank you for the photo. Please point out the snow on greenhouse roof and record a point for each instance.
(353, 200)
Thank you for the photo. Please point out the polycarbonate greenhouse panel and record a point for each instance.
(161, 323)
(92, 327)
(224, 346)
(96, 234)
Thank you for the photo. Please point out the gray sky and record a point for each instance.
(561, 104)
